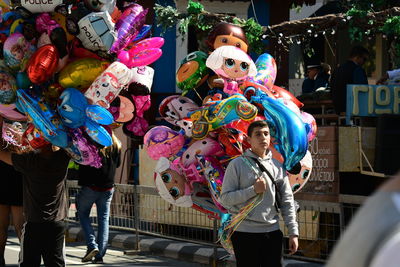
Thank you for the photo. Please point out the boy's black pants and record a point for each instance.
(258, 249)
(45, 240)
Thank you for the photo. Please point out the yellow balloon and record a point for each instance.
(61, 19)
(81, 73)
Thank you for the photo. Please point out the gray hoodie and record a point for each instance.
(238, 191)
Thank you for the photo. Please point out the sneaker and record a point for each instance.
(90, 253)
(97, 260)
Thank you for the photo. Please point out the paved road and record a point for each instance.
(113, 258)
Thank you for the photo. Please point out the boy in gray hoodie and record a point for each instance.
(258, 240)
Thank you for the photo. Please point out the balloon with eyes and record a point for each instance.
(232, 65)
(76, 112)
(109, 84)
(173, 187)
(175, 109)
(192, 73)
(227, 34)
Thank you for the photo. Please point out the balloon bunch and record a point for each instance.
(222, 93)
(70, 72)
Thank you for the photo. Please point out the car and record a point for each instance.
(94, 29)
(219, 113)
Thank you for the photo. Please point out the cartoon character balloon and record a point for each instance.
(162, 141)
(232, 65)
(8, 87)
(17, 51)
(227, 34)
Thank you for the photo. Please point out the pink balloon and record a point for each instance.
(162, 141)
(154, 42)
(143, 58)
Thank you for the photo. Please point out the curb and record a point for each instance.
(185, 251)
(169, 248)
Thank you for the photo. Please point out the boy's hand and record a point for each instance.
(293, 244)
(260, 185)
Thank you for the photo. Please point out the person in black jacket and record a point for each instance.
(97, 187)
(350, 72)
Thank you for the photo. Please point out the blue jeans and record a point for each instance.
(85, 200)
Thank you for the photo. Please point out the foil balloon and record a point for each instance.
(142, 58)
(8, 87)
(219, 113)
(176, 108)
(12, 132)
(109, 84)
(81, 73)
(144, 31)
(43, 64)
(233, 65)
(297, 181)
(101, 5)
(23, 81)
(43, 117)
(279, 92)
(162, 141)
(138, 126)
(233, 141)
(142, 53)
(81, 150)
(142, 80)
(286, 127)
(171, 183)
(205, 147)
(61, 20)
(17, 51)
(9, 111)
(192, 71)
(123, 109)
(266, 70)
(128, 26)
(76, 112)
(312, 124)
(33, 137)
(227, 34)
(97, 31)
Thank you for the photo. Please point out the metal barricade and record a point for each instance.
(141, 210)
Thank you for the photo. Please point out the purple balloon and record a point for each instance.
(128, 26)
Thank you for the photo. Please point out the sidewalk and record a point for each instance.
(179, 250)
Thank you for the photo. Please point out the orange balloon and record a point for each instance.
(43, 64)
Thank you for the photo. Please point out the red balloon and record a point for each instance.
(43, 63)
(285, 94)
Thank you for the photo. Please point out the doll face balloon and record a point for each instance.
(204, 147)
(297, 181)
(227, 34)
(171, 184)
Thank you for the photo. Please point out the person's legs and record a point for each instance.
(54, 249)
(271, 249)
(245, 248)
(18, 219)
(31, 245)
(103, 204)
(85, 199)
(4, 222)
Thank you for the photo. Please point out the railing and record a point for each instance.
(320, 223)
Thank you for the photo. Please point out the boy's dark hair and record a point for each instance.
(254, 125)
(359, 50)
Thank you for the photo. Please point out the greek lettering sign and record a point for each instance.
(372, 100)
(323, 184)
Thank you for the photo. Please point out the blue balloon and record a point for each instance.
(287, 129)
(43, 117)
(76, 112)
(143, 32)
